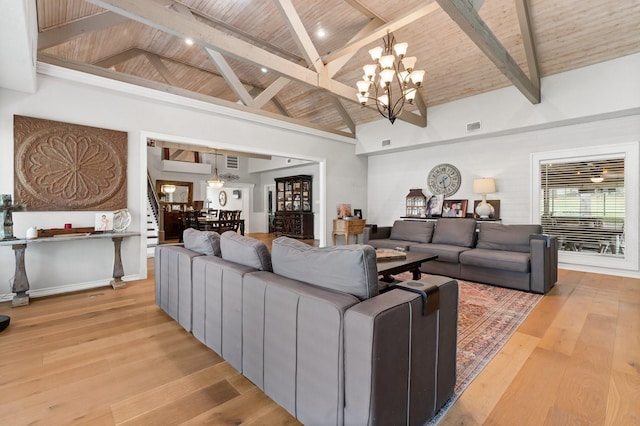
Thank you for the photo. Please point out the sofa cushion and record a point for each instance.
(455, 231)
(497, 259)
(245, 251)
(495, 236)
(351, 269)
(445, 252)
(203, 242)
(420, 232)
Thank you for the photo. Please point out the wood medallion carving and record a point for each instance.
(61, 166)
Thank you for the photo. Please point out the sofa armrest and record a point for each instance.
(544, 262)
(376, 233)
(393, 355)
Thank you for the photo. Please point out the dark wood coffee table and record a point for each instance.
(411, 263)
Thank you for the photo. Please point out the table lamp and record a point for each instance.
(484, 186)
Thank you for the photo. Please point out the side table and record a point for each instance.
(347, 227)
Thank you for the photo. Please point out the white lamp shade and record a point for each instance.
(409, 62)
(376, 53)
(410, 94)
(484, 186)
(387, 61)
(384, 100)
(363, 86)
(417, 76)
(386, 76)
(401, 49)
(370, 70)
(215, 183)
(363, 98)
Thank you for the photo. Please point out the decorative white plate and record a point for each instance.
(121, 220)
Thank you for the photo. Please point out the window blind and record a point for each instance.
(583, 204)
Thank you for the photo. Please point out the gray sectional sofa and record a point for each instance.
(513, 256)
(309, 327)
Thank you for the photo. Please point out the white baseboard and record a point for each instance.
(69, 288)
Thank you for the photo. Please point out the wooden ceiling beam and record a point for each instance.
(220, 62)
(157, 16)
(139, 81)
(300, 34)
(522, 9)
(119, 58)
(391, 26)
(464, 15)
(270, 92)
(79, 27)
(365, 10)
(162, 69)
(343, 113)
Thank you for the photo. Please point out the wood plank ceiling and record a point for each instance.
(466, 48)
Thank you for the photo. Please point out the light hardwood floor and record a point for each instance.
(112, 357)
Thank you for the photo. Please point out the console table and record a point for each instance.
(21, 283)
(346, 228)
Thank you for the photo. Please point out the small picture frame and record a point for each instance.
(454, 208)
(357, 213)
(104, 221)
(434, 205)
(343, 210)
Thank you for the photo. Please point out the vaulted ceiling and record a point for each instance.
(466, 47)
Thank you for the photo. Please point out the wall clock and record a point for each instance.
(444, 179)
(222, 198)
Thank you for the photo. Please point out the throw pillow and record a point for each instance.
(350, 269)
(459, 232)
(419, 232)
(204, 242)
(246, 251)
(495, 236)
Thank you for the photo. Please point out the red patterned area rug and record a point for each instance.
(487, 317)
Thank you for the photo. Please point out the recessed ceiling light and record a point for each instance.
(321, 33)
(188, 41)
(263, 69)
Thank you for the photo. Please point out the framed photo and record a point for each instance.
(454, 208)
(104, 221)
(495, 208)
(357, 213)
(343, 210)
(434, 205)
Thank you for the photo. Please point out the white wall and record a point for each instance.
(559, 123)
(68, 96)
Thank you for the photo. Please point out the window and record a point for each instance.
(583, 204)
(588, 198)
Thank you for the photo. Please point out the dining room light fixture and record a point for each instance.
(216, 182)
(392, 78)
(168, 189)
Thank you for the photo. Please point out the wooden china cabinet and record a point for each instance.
(294, 215)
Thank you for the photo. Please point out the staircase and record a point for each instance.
(153, 226)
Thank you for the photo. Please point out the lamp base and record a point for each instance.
(484, 210)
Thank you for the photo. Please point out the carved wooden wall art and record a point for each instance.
(61, 166)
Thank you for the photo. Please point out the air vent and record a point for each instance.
(472, 127)
(386, 142)
(232, 162)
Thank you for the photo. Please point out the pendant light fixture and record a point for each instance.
(215, 182)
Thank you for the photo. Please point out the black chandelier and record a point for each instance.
(392, 76)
